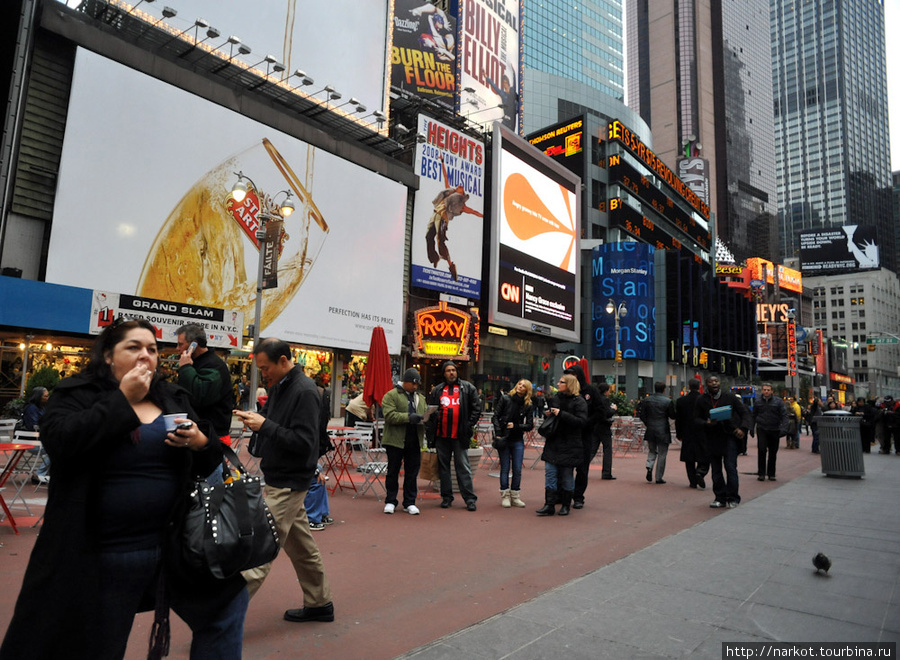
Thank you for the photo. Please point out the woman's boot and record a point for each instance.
(504, 499)
(549, 507)
(515, 500)
(565, 498)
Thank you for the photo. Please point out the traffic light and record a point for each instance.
(618, 356)
(870, 347)
(704, 358)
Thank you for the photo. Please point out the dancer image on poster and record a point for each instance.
(439, 35)
(508, 96)
(449, 203)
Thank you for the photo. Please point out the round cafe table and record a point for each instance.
(15, 451)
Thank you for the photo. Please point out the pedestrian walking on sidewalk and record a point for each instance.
(563, 450)
(693, 441)
(723, 436)
(110, 543)
(655, 412)
(289, 434)
(590, 441)
(513, 418)
(404, 431)
(770, 422)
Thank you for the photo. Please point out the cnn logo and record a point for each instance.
(510, 292)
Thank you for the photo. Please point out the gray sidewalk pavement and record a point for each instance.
(745, 576)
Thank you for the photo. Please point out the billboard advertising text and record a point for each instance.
(847, 248)
(623, 273)
(489, 63)
(564, 143)
(448, 224)
(423, 54)
(534, 246)
(148, 212)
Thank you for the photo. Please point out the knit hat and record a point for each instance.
(411, 376)
(448, 363)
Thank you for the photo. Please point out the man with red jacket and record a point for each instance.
(450, 429)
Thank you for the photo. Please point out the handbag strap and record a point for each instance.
(228, 453)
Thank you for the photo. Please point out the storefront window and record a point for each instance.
(316, 364)
(352, 382)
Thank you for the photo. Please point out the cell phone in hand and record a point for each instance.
(183, 426)
(192, 348)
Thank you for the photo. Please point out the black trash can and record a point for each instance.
(840, 444)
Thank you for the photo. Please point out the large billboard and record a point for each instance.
(536, 228)
(423, 54)
(847, 248)
(489, 61)
(623, 273)
(448, 224)
(143, 208)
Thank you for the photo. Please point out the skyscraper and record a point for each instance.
(699, 73)
(831, 119)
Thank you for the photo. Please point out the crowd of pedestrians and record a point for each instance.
(113, 459)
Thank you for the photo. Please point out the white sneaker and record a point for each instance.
(412, 510)
(389, 508)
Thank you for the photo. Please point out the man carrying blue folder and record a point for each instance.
(725, 420)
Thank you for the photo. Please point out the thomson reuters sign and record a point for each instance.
(442, 332)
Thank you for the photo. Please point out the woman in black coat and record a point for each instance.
(513, 418)
(109, 544)
(563, 450)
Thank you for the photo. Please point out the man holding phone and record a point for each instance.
(205, 376)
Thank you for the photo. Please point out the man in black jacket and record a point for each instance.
(693, 442)
(590, 441)
(205, 376)
(722, 438)
(288, 430)
(771, 421)
(655, 412)
(450, 429)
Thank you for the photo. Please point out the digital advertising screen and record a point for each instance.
(565, 143)
(842, 249)
(449, 212)
(536, 230)
(144, 209)
(423, 53)
(624, 274)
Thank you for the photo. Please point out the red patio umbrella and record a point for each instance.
(377, 373)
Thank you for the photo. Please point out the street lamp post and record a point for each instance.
(238, 193)
(619, 311)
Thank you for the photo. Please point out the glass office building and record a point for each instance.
(831, 119)
(580, 41)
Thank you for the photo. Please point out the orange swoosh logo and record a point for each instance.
(528, 216)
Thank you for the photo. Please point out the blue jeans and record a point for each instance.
(557, 477)
(316, 501)
(515, 451)
(126, 577)
(725, 487)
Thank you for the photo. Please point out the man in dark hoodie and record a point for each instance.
(450, 428)
(590, 441)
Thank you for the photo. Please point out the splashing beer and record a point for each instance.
(198, 256)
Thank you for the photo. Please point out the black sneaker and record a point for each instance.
(717, 505)
(760, 478)
(316, 526)
(701, 483)
(649, 475)
(446, 502)
(323, 613)
(328, 520)
(470, 505)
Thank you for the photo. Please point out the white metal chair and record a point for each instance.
(27, 466)
(373, 466)
(6, 429)
(484, 435)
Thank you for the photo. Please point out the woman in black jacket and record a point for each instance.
(563, 450)
(109, 545)
(513, 418)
